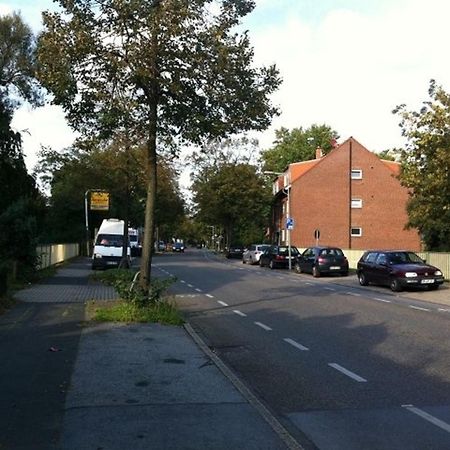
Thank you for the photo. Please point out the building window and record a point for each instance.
(356, 203)
(356, 174)
(356, 232)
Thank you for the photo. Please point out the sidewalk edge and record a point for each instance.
(277, 427)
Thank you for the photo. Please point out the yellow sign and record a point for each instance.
(100, 201)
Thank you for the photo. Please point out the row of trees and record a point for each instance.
(139, 81)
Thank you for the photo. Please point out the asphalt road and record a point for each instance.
(343, 367)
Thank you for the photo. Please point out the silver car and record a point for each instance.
(253, 253)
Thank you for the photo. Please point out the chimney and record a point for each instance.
(319, 153)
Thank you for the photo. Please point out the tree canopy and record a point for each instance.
(297, 145)
(426, 167)
(169, 71)
(231, 194)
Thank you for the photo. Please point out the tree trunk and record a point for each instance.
(152, 92)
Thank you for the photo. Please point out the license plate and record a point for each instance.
(111, 263)
(335, 267)
(427, 281)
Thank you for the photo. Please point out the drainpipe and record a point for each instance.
(350, 196)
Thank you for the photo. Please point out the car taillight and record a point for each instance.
(279, 257)
(321, 260)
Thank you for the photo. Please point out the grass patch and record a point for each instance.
(163, 312)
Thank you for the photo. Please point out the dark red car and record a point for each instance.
(398, 269)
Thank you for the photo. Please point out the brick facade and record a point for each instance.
(321, 194)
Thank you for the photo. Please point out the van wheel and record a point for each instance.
(297, 268)
(362, 280)
(315, 272)
(395, 285)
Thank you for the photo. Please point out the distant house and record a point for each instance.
(351, 196)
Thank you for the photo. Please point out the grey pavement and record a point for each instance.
(148, 386)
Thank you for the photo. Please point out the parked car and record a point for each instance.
(397, 269)
(278, 256)
(252, 254)
(322, 260)
(161, 246)
(235, 251)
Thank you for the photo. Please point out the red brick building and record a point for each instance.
(351, 196)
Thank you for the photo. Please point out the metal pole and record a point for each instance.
(87, 220)
(288, 212)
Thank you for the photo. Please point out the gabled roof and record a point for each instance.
(300, 168)
(392, 165)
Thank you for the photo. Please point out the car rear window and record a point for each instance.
(331, 252)
(285, 251)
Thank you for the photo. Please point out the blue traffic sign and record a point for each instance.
(289, 223)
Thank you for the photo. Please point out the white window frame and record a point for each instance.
(356, 235)
(356, 174)
(357, 203)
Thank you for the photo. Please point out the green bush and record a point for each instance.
(122, 281)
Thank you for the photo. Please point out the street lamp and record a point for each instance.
(289, 223)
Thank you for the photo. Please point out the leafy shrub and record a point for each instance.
(122, 281)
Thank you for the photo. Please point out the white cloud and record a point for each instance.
(42, 127)
(350, 69)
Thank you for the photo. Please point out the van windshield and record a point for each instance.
(109, 240)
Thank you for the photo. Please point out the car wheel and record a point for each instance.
(261, 263)
(271, 264)
(243, 261)
(362, 280)
(315, 272)
(395, 285)
(297, 268)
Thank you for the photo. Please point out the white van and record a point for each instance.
(108, 244)
(133, 240)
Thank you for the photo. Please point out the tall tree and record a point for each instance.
(297, 145)
(426, 167)
(230, 192)
(21, 204)
(173, 71)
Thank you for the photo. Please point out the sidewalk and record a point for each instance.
(142, 386)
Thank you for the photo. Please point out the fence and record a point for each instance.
(52, 254)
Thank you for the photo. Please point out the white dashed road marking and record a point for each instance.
(419, 308)
(296, 344)
(264, 327)
(348, 373)
(209, 295)
(239, 313)
(434, 420)
(381, 300)
(222, 303)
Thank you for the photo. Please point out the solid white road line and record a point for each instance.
(209, 295)
(354, 294)
(239, 313)
(329, 289)
(419, 308)
(264, 327)
(434, 420)
(222, 303)
(380, 300)
(295, 344)
(348, 373)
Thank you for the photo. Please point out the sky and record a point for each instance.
(344, 63)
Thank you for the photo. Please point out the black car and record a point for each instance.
(235, 251)
(322, 260)
(178, 247)
(397, 269)
(278, 256)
